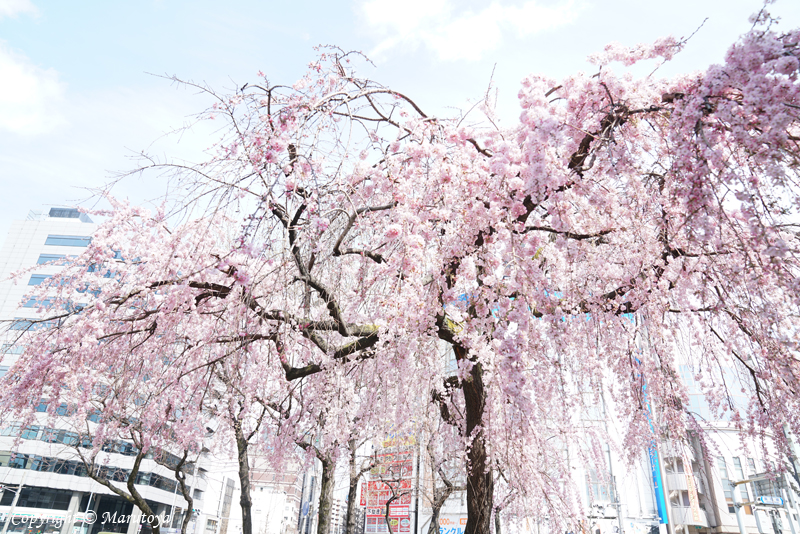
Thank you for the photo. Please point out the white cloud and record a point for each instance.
(29, 96)
(437, 25)
(11, 8)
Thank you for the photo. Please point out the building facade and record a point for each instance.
(44, 487)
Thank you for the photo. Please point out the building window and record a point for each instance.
(751, 467)
(33, 497)
(600, 488)
(68, 240)
(64, 213)
(727, 487)
(47, 258)
(20, 323)
(36, 303)
(37, 279)
(19, 461)
(739, 472)
(737, 469)
(31, 432)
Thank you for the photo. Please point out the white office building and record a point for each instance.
(44, 484)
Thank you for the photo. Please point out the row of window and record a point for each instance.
(33, 497)
(47, 258)
(65, 437)
(38, 279)
(727, 485)
(68, 240)
(21, 323)
(60, 466)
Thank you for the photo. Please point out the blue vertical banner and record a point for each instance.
(655, 465)
(658, 485)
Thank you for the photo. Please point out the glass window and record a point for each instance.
(679, 465)
(599, 487)
(36, 303)
(50, 435)
(737, 469)
(727, 487)
(65, 467)
(47, 258)
(37, 279)
(31, 432)
(20, 323)
(19, 461)
(41, 463)
(11, 430)
(70, 438)
(751, 467)
(3, 370)
(33, 497)
(64, 213)
(68, 240)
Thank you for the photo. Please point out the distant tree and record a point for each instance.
(340, 224)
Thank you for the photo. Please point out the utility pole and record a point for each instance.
(737, 505)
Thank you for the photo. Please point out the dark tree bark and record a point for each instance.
(180, 476)
(325, 495)
(480, 480)
(132, 495)
(440, 494)
(245, 501)
(352, 489)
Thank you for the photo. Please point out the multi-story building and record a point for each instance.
(683, 485)
(44, 487)
(41, 476)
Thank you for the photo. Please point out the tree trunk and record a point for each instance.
(325, 496)
(480, 481)
(133, 496)
(352, 490)
(245, 501)
(497, 521)
(439, 498)
(180, 476)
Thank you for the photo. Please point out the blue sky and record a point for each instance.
(77, 102)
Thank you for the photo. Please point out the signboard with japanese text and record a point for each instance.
(452, 524)
(691, 486)
(390, 481)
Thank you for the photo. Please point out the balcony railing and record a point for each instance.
(682, 515)
(676, 449)
(677, 481)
